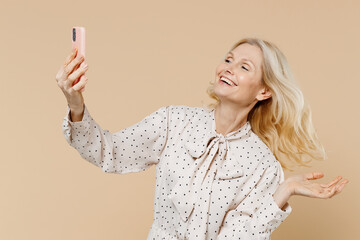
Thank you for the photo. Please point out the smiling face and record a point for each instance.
(242, 68)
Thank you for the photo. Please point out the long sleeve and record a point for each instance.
(258, 215)
(132, 149)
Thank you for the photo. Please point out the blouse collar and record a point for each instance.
(204, 146)
(241, 131)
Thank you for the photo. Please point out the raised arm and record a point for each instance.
(132, 149)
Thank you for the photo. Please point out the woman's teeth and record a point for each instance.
(226, 81)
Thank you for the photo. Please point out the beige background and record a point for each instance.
(143, 55)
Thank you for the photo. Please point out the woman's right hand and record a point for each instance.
(70, 73)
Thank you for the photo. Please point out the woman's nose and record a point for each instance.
(228, 70)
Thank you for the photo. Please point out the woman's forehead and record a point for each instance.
(248, 52)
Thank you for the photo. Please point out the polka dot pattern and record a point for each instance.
(208, 186)
(132, 149)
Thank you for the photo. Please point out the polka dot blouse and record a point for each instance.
(208, 186)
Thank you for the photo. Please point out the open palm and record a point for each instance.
(302, 185)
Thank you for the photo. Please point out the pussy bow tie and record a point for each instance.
(204, 149)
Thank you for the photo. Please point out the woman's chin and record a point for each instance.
(221, 91)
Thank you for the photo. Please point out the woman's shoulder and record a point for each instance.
(185, 115)
(187, 111)
(258, 144)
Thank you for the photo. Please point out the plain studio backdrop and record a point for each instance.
(143, 55)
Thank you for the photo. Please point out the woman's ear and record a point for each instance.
(264, 94)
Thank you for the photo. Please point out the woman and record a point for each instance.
(219, 169)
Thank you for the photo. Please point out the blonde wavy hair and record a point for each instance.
(283, 121)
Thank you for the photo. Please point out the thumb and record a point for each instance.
(314, 175)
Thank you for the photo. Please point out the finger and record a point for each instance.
(59, 74)
(64, 71)
(70, 57)
(335, 189)
(82, 64)
(81, 83)
(76, 74)
(72, 66)
(332, 182)
(332, 192)
(314, 175)
(341, 185)
(83, 88)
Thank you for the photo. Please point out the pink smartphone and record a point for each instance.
(78, 41)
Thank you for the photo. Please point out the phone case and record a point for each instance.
(78, 41)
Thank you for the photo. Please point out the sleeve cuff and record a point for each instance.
(271, 215)
(72, 129)
(79, 125)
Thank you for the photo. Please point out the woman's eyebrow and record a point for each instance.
(246, 59)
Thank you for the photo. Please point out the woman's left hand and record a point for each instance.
(302, 185)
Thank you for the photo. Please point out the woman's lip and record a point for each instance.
(221, 82)
(234, 84)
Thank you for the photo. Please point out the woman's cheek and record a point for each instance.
(241, 80)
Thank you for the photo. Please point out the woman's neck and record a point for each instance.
(228, 119)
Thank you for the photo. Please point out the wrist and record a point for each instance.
(76, 113)
(288, 187)
(78, 109)
(283, 194)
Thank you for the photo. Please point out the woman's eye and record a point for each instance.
(227, 60)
